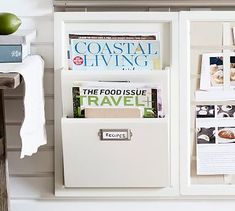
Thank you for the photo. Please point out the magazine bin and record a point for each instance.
(148, 164)
(140, 161)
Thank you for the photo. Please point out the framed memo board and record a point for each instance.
(203, 33)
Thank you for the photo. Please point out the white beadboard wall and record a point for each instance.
(32, 179)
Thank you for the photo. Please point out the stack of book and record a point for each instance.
(15, 48)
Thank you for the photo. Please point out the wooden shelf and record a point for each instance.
(9, 80)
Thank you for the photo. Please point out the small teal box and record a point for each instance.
(11, 53)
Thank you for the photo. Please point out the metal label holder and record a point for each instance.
(115, 134)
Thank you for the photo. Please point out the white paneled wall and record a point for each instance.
(28, 8)
(32, 179)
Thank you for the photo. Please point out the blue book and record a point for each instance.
(13, 53)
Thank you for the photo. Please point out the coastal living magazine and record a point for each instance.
(114, 52)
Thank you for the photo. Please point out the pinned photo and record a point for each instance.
(226, 135)
(206, 135)
(232, 70)
(212, 71)
(205, 111)
(216, 71)
(225, 111)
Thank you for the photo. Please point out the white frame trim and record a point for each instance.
(185, 184)
(60, 20)
(147, 3)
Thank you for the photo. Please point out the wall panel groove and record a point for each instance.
(35, 44)
(41, 149)
(20, 97)
(19, 123)
(32, 174)
(14, 141)
(15, 111)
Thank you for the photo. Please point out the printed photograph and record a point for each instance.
(216, 71)
(232, 70)
(212, 71)
(226, 135)
(206, 135)
(225, 111)
(205, 111)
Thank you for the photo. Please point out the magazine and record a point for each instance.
(114, 52)
(144, 96)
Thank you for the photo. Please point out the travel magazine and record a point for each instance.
(120, 95)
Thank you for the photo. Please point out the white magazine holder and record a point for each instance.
(85, 168)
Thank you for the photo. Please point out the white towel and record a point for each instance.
(33, 133)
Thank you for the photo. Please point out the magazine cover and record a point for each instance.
(144, 96)
(112, 52)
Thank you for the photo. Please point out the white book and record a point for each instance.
(19, 37)
(25, 50)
